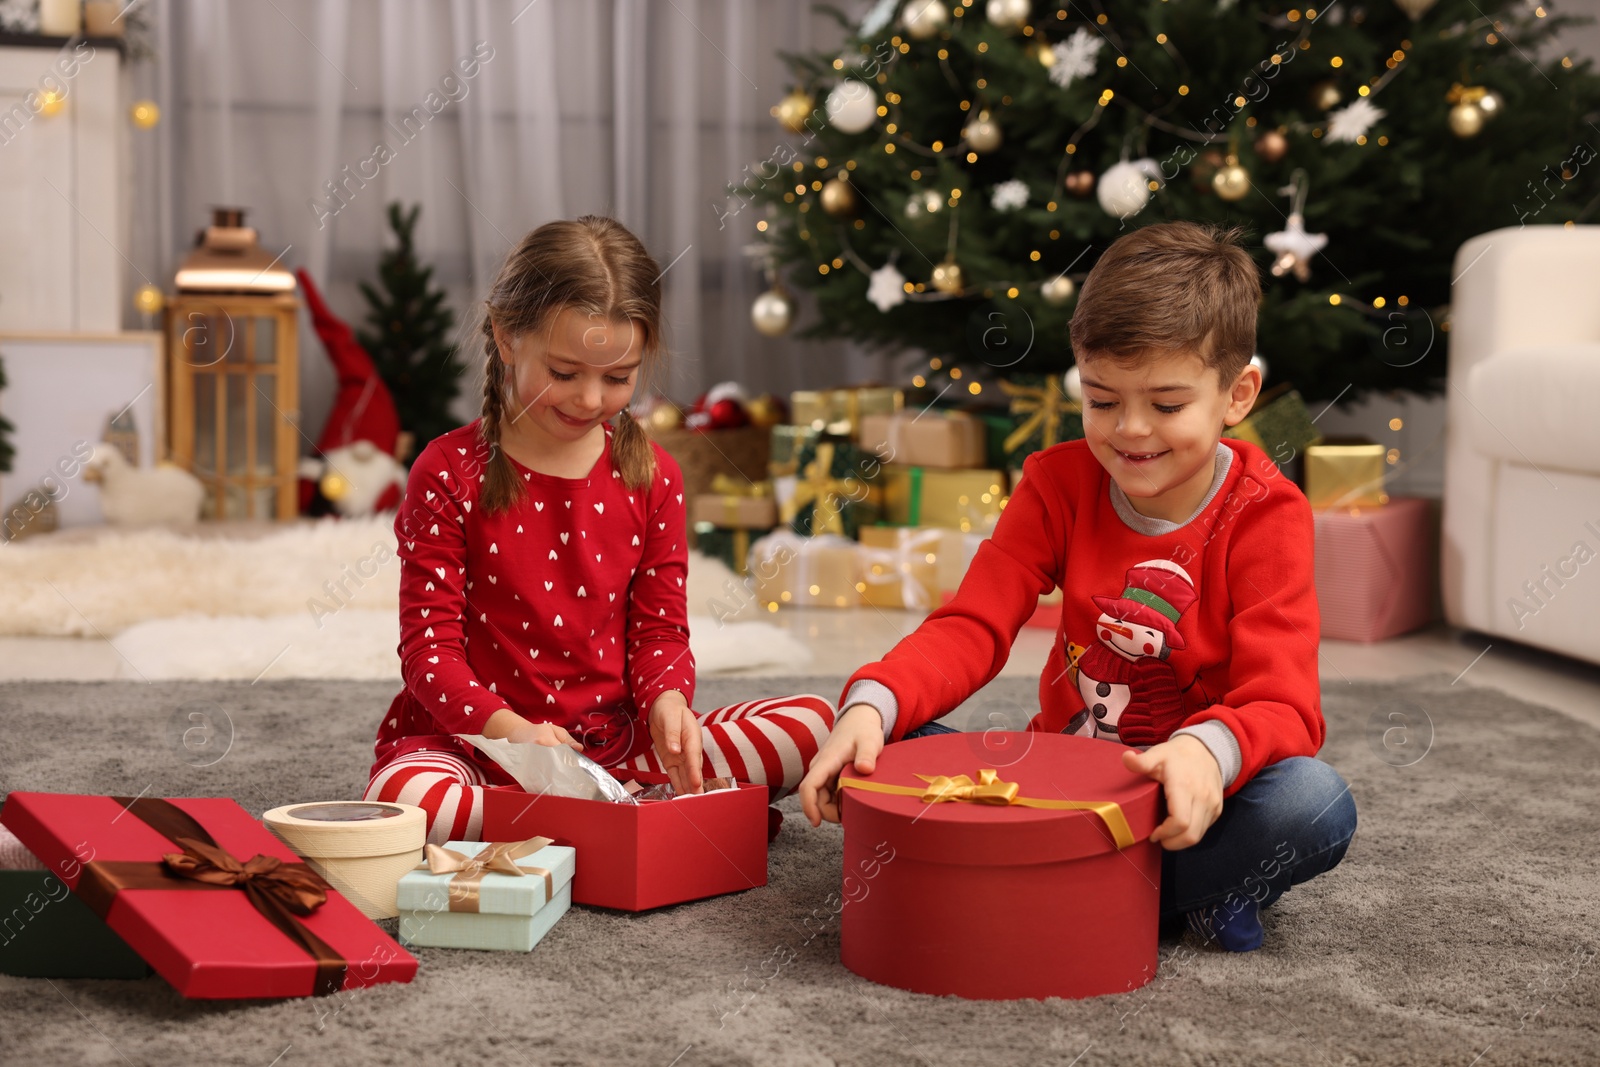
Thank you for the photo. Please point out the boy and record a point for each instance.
(1189, 620)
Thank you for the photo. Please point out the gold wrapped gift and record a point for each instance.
(900, 565)
(1342, 474)
(794, 571)
(785, 447)
(966, 500)
(839, 411)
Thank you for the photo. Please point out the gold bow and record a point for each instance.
(824, 493)
(1044, 405)
(989, 789)
(498, 858)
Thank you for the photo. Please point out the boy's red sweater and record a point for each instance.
(1215, 620)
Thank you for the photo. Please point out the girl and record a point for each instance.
(543, 557)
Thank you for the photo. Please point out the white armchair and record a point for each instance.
(1521, 543)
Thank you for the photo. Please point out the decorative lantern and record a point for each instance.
(234, 374)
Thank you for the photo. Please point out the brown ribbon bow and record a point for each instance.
(279, 891)
(498, 858)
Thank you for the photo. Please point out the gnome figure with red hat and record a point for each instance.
(355, 471)
(1130, 691)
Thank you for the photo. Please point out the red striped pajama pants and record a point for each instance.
(768, 742)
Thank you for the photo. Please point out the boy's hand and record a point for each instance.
(676, 734)
(1189, 774)
(857, 737)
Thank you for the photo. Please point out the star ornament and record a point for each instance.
(887, 288)
(1295, 248)
(1350, 123)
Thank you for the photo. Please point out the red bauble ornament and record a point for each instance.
(728, 415)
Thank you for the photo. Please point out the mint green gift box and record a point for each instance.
(474, 905)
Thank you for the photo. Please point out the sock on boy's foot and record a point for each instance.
(1235, 927)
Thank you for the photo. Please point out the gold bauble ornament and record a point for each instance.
(1272, 146)
(793, 111)
(1466, 120)
(982, 134)
(839, 198)
(149, 299)
(664, 416)
(947, 277)
(145, 114)
(1057, 290)
(1325, 96)
(1044, 52)
(764, 410)
(772, 312)
(1232, 182)
(1009, 14)
(924, 19)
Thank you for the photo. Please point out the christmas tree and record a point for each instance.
(408, 336)
(958, 170)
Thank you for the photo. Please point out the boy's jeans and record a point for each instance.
(1288, 824)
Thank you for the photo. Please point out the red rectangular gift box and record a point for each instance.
(207, 940)
(1374, 570)
(638, 856)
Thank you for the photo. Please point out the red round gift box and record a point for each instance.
(1001, 902)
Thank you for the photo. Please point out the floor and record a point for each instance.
(843, 640)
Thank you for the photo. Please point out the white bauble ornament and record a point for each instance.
(772, 312)
(852, 107)
(1057, 290)
(924, 18)
(1124, 189)
(1072, 383)
(1009, 14)
(924, 202)
(1259, 364)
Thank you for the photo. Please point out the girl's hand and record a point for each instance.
(676, 734)
(542, 733)
(857, 738)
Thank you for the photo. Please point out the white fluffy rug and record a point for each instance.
(248, 601)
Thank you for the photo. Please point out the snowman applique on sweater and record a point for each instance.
(1129, 688)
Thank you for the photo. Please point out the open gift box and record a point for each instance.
(1001, 865)
(646, 855)
(264, 935)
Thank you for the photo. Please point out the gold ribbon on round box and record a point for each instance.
(991, 789)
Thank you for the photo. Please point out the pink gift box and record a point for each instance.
(1375, 570)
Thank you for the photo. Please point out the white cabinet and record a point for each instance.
(61, 175)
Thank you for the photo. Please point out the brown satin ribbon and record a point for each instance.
(279, 891)
(498, 858)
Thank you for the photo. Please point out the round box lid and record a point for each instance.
(1051, 770)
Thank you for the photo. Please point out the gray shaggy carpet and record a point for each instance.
(1461, 928)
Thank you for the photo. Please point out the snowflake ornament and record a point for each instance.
(888, 288)
(1009, 195)
(1075, 57)
(1349, 123)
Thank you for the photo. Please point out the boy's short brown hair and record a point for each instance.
(1167, 287)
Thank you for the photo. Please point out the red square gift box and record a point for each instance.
(639, 856)
(1374, 570)
(1001, 866)
(234, 926)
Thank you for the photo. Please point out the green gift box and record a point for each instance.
(834, 491)
(1278, 424)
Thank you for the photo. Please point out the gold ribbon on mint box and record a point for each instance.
(497, 858)
(989, 789)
